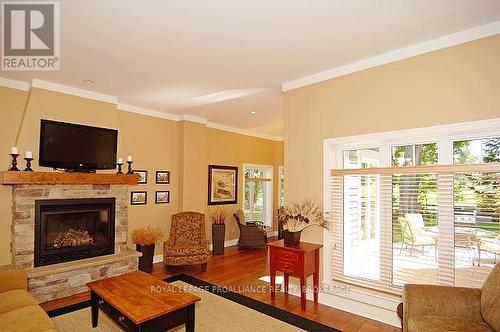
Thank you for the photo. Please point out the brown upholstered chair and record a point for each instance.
(445, 308)
(252, 235)
(187, 244)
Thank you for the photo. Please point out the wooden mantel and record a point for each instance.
(54, 178)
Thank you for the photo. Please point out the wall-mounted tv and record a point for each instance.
(77, 147)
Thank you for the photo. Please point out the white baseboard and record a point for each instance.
(228, 243)
(272, 233)
(358, 301)
(158, 258)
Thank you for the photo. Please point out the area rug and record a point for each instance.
(218, 310)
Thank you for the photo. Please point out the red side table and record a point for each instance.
(300, 262)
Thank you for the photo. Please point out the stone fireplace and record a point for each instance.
(66, 235)
(73, 229)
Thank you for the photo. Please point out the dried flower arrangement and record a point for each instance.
(146, 236)
(218, 215)
(298, 216)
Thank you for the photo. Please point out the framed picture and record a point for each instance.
(222, 185)
(162, 197)
(163, 177)
(138, 198)
(143, 176)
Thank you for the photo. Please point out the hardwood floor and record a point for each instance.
(240, 269)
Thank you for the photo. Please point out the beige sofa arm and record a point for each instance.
(459, 302)
(14, 279)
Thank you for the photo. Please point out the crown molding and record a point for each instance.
(453, 39)
(46, 85)
(145, 111)
(36, 83)
(193, 118)
(240, 131)
(12, 84)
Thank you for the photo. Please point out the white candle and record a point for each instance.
(119, 161)
(129, 158)
(14, 150)
(29, 155)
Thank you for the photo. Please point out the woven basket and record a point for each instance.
(218, 237)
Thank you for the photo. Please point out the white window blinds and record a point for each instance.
(432, 224)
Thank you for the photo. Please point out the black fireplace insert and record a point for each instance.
(73, 229)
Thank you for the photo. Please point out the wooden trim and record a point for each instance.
(493, 167)
(258, 180)
(54, 178)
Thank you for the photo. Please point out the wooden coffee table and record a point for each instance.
(138, 301)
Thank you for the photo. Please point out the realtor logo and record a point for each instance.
(30, 32)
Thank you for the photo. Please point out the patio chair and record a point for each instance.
(415, 234)
(491, 245)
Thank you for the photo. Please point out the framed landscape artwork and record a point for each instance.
(143, 176)
(222, 185)
(163, 177)
(138, 198)
(162, 197)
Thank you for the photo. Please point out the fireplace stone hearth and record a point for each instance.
(58, 280)
(24, 198)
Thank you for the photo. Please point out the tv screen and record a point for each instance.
(77, 147)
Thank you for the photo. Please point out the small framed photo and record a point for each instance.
(138, 198)
(162, 197)
(143, 176)
(163, 177)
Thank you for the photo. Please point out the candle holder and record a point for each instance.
(130, 171)
(14, 162)
(119, 168)
(28, 165)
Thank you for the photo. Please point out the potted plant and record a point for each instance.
(145, 239)
(218, 216)
(297, 217)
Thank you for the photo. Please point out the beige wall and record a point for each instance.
(154, 144)
(193, 162)
(43, 104)
(183, 148)
(12, 104)
(230, 149)
(457, 84)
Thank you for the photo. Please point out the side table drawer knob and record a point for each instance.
(100, 302)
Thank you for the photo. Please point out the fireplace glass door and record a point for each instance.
(73, 229)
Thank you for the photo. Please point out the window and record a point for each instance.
(361, 218)
(433, 217)
(281, 183)
(476, 211)
(258, 193)
(415, 155)
(414, 215)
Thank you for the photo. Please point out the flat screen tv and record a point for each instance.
(76, 147)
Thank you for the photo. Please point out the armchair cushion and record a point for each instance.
(426, 323)
(186, 228)
(490, 299)
(15, 299)
(442, 301)
(183, 250)
(27, 319)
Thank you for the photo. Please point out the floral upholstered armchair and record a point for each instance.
(187, 244)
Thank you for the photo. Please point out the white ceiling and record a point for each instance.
(222, 59)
